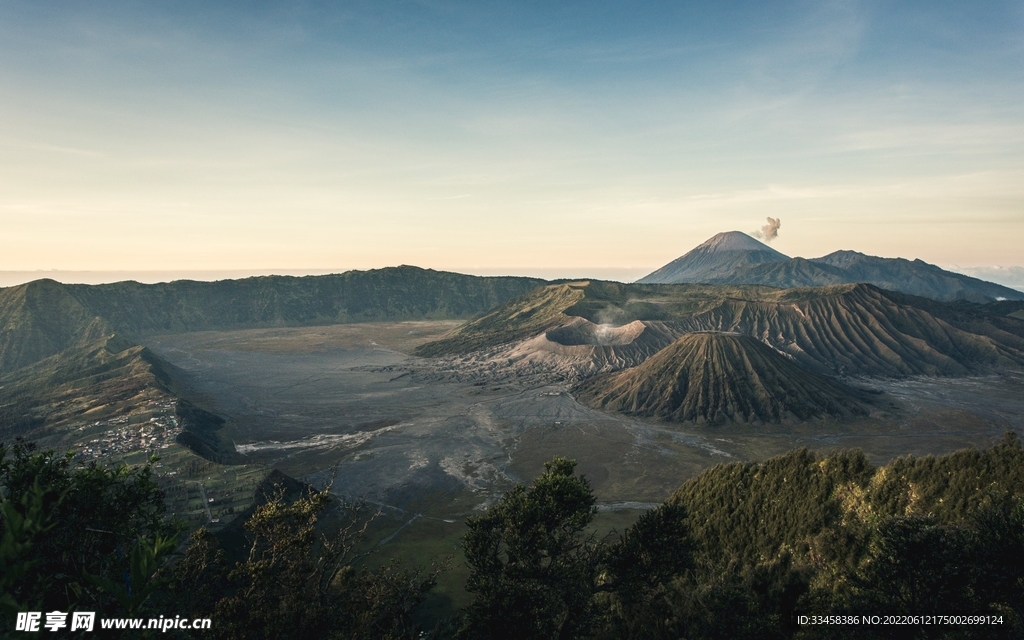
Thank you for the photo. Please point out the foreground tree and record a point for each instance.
(96, 539)
(643, 573)
(532, 566)
(87, 538)
(299, 581)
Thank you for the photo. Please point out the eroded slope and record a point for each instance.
(840, 330)
(107, 377)
(716, 378)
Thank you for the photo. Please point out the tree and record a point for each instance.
(532, 566)
(105, 532)
(95, 538)
(1000, 532)
(641, 573)
(917, 565)
(300, 582)
(22, 522)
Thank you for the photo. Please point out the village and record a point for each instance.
(150, 431)
(197, 492)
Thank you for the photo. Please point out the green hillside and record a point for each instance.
(396, 293)
(91, 382)
(812, 534)
(752, 511)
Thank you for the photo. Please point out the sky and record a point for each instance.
(554, 138)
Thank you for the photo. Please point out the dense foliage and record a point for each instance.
(96, 539)
(532, 566)
(298, 582)
(742, 551)
(78, 538)
(745, 549)
(804, 534)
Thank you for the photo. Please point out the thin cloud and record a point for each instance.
(458, 197)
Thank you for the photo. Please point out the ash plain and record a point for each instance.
(404, 433)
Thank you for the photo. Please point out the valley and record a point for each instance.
(430, 395)
(349, 399)
(456, 388)
(431, 449)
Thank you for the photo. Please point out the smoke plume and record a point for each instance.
(769, 231)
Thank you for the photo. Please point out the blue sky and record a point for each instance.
(502, 137)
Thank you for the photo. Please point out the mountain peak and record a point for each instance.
(733, 241)
(717, 255)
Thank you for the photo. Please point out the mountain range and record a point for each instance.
(736, 258)
(745, 334)
(844, 330)
(719, 353)
(42, 318)
(73, 352)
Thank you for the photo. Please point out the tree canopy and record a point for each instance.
(741, 551)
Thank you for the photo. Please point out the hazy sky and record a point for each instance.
(487, 136)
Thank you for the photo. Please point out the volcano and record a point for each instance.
(719, 256)
(716, 378)
(735, 258)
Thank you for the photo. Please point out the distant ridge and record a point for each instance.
(42, 318)
(715, 378)
(916, 277)
(735, 258)
(68, 351)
